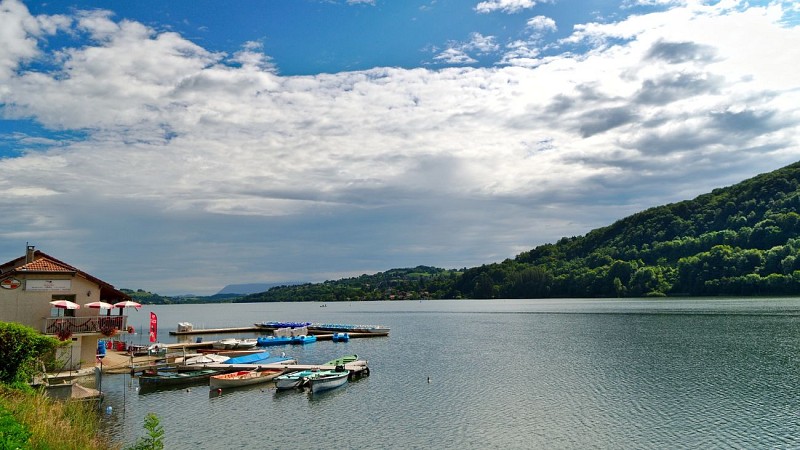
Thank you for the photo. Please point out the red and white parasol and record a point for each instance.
(127, 304)
(65, 304)
(99, 305)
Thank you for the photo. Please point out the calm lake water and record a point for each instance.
(567, 373)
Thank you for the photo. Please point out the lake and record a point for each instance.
(566, 373)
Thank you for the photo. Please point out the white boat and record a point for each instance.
(295, 379)
(246, 344)
(208, 358)
(324, 381)
(226, 344)
(243, 378)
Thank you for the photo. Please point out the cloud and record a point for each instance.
(182, 154)
(458, 53)
(541, 23)
(506, 6)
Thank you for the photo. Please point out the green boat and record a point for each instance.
(342, 361)
(163, 379)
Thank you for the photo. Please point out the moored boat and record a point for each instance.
(226, 344)
(266, 341)
(254, 358)
(209, 358)
(340, 337)
(283, 324)
(246, 344)
(326, 380)
(349, 328)
(294, 379)
(160, 379)
(342, 360)
(243, 378)
(304, 339)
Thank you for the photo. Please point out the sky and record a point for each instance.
(182, 146)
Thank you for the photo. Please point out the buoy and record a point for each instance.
(108, 409)
(219, 390)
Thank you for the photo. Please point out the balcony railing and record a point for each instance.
(99, 324)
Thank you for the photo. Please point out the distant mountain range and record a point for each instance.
(251, 288)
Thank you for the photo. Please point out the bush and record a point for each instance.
(12, 433)
(155, 435)
(20, 346)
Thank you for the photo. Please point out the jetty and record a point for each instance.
(323, 332)
(118, 362)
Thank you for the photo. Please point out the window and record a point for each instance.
(54, 312)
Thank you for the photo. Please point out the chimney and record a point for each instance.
(29, 251)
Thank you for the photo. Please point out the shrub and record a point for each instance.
(20, 346)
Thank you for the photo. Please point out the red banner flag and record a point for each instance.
(153, 327)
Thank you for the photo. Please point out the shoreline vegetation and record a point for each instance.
(742, 240)
(29, 419)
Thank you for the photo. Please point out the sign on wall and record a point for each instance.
(48, 285)
(10, 283)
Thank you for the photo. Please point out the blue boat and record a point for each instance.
(277, 360)
(341, 337)
(255, 358)
(265, 341)
(303, 339)
(283, 324)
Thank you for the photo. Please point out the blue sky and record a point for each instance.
(181, 146)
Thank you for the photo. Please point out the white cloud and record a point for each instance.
(209, 155)
(457, 53)
(506, 6)
(541, 24)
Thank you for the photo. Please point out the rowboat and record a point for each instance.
(246, 343)
(226, 344)
(255, 358)
(175, 378)
(209, 358)
(326, 380)
(342, 360)
(294, 379)
(243, 378)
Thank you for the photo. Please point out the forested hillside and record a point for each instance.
(739, 240)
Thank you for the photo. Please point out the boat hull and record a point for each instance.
(292, 380)
(243, 378)
(327, 382)
(176, 378)
(274, 340)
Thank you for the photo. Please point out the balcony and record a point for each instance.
(86, 324)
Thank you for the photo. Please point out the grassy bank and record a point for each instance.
(42, 423)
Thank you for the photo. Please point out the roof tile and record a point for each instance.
(45, 265)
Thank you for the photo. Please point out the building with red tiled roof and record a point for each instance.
(29, 286)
